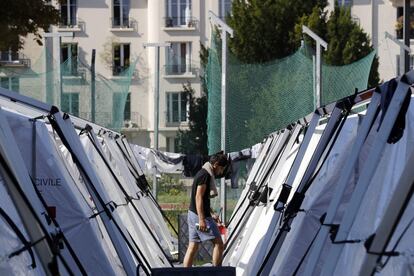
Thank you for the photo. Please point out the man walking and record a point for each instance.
(201, 225)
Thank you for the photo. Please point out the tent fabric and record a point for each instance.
(380, 190)
(115, 228)
(307, 223)
(258, 241)
(260, 226)
(56, 187)
(126, 213)
(31, 208)
(19, 264)
(61, 177)
(259, 160)
(263, 230)
(123, 242)
(402, 242)
(240, 241)
(254, 179)
(154, 217)
(252, 183)
(99, 226)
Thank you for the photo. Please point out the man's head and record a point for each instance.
(219, 162)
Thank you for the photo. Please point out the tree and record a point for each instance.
(18, 18)
(263, 28)
(194, 140)
(347, 41)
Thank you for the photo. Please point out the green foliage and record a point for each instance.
(347, 41)
(263, 28)
(194, 140)
(18, 18)
(267, 96)
(272, 29)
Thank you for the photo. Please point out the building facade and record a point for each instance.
(118, 31)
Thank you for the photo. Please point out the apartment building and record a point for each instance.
(118, 30)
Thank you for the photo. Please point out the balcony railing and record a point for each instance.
(73, 71)
(180, 69)
(14, 59)
(135, 120)
(72, 24)
(180, 22)
(123, 23)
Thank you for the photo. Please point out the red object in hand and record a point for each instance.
(222, 229)
(223, 232)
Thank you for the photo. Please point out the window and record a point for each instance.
(120, 13)
(177, 107)
(9, 56)
(178, 58)
(399, 26)
(121, 58)
(69, 59)
(68, 13)
(70, 103)
(13, 58)
(178, 13)
(172, 144)
(10, 83)
(224, 8)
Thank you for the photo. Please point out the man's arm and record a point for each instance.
(201, 189)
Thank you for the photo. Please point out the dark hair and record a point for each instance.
(219, 158)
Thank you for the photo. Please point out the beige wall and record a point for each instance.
(95, 33)
(375, 17)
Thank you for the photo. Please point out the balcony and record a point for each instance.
(124, 25)
(188, 23)
(180, 71)
(13, 59)
(135, 121)
(71, 25)
(73, 71)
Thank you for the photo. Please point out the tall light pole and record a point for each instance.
(57, 39)
(157, 47)
(318, 73)
(224, 30)
(403, 49)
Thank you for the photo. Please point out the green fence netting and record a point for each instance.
(68, 85)
(262, 98)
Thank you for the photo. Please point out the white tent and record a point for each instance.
(94, 219)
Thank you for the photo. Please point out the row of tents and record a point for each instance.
(332, 194)
(73, 199)
(328, 195)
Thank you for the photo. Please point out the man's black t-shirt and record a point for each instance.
(202, 177)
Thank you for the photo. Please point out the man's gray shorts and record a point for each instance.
(195, 235)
